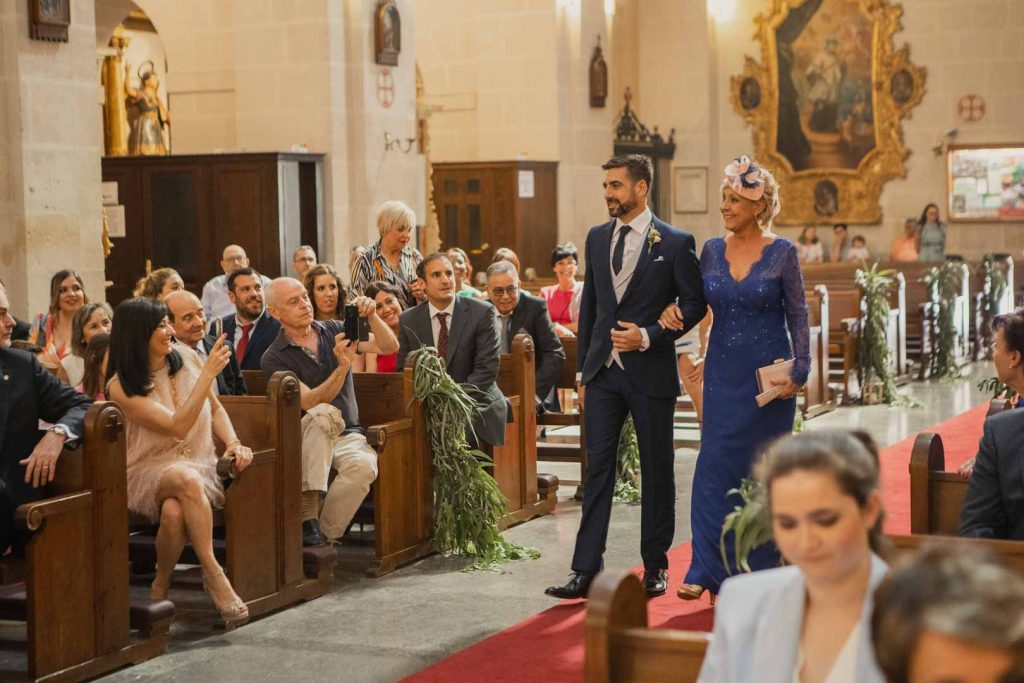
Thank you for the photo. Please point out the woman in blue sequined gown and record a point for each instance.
(753, 284)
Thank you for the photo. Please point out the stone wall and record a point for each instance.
(50, 147)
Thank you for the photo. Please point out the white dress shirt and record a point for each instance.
(239, 324)
(630, 254)
(435, 324)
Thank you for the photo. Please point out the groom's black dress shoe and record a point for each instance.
(577, 587)
(655, 582)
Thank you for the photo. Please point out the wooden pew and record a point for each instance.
(400, 505)
(817, 396)
(562, 451)
(262, 515)
(937, 496)
(620, 648)
(255, 382)
(515, 462)
(75, 596)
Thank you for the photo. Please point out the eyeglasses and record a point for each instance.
(499, 292)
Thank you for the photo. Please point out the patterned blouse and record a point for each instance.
(372, 266)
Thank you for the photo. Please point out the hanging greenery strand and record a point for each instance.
(873, 350)
(944, 282)
(627, 464)
(467, 501)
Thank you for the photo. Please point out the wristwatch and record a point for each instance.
(60, 430)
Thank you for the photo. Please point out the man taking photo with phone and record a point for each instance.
(320, 355)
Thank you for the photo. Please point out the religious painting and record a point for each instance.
(826, 103)
(49, 20)
(387, 33)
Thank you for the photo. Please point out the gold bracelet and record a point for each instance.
(233, 442)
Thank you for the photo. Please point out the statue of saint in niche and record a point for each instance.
(147, 115)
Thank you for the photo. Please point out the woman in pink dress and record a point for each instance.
(172, 416)
(563, 299)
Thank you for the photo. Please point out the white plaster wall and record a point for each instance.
(50, 146)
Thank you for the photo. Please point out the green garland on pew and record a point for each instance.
(994, 287)
(628, 464)
(944, 281)
(467, 501)
(873, 347)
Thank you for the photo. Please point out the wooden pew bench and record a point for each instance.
(817, 395)
(562, 448)
(258, 533)
(937, 496)
(515, 463)
(621, 648)
(75, 596)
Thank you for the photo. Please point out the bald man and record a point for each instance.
(189, 322)
(216, 303)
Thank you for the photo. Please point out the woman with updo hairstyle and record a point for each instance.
(809, 620)
(563, 298)
(89, 321)
(159, 283)
(326, 292)
(754, 288)
(171, 417)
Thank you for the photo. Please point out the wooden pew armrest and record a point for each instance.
(849, 325)
(263, 456)
(31, 516)
(377, 435)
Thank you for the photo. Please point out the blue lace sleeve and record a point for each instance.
(796, 315)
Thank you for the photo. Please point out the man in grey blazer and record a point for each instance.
(465, 333)
(520, 312)
(994, 504)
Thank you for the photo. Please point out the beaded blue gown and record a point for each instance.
(754, 320)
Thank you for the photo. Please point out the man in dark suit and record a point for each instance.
(994, 504)
(465, 333)
(188, 319)
(251, 330)
(636, 266)
(520, 312)
(28, 394)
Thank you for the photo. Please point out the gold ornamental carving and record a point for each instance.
(826, 103)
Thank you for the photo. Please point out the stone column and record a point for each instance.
(50, 148)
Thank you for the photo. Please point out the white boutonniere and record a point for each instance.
(653, 237)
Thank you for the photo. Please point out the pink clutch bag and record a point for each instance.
(767, 391)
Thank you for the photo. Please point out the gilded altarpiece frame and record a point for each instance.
(827, 102)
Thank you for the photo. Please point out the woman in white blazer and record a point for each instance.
(808, 622)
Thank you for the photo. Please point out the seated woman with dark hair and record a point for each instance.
(172, 417)
(563, 299)
(89, 321)
(809, 621)
(326, 292)
(96, 360)
(950, 614)
(389, 307)
(159, 283)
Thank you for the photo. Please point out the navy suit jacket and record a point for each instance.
(665, 273)
(472, 357)
(994, 504)
(28, 393)
(230, 381)
(260, 339)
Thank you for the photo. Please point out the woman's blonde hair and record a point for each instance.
(765, 217)
(150, 286)
(393, 215)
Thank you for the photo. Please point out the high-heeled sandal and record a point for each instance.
(692, 591)
(235, 613)
(158, 591)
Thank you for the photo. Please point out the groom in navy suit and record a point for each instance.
(636, 266)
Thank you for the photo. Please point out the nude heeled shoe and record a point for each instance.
(235, 613)
(691, 591)
(158, 591)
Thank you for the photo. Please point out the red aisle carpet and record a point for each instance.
(549, 646)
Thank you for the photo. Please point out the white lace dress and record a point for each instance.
(151, 455)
